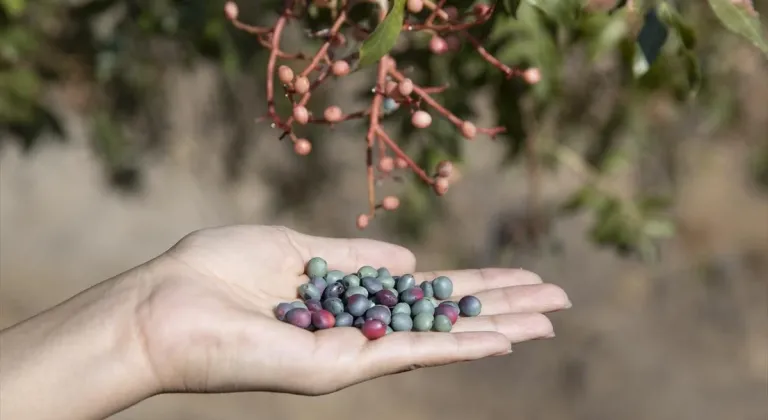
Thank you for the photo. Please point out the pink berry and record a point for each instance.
(231, 10)
(390, 203)
(386, 164)
(390, 88)
(405, 87)
(340, 68)
(401, 163)
(421, 119)
(374, 329)
(300, 114)
(362, 221)
(302, 147)
(438, 45)
(301, 85)
(532, 75)
(452, 12)
(444, 169)
(415, 6)
(333, 114)
(285, 74)
(468, 130)
(453, 42)
(481, 10)
(441, 186)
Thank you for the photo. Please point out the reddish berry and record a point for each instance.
(300, 114)
(468, 130)
(374, 329)
(231, 10)
(421, 119)
(386, 164)
(302, 147)
(301, 85)
(481, 10)
(401, 163)
(285, 74)
(390, 88)
(415, 6)
(333, 114)
(438, 45)
(452, 12)
(340, 68)
(323, 319)
(532, 75)
(362, 221)
(444, 169)
(390, 203)
(405, 87)
(453, 42)
(450, 311)
(441, 186)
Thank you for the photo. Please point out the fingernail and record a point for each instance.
(569, 305)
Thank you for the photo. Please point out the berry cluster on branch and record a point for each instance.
(393, 90)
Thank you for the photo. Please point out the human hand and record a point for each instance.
(208, 323)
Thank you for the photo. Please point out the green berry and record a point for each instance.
(317, 267)
(405, 282)
(442, 324)
(426, 286)
(443, 287)
(334, 276)
(422, 306)
(350, 281)
(402, 308)
(387, 281)
(402, 322)
(357, 290)
(367, 271)
(423, 322)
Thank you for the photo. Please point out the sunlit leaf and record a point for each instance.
(14, 8)
(384, 37)
(742, 19)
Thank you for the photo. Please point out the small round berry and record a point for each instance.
(450, 311)
(349, 281)
(314, 305)
(390, 88)
(404, 283)
(231, 10)
(468, 130)
(282, 309)
(333, 305)
(445, 169)
(443, 287)
(402, 308)
(481, 10)
(402, 322)
(334, 290)
(438, 45)
(299, 304)
(333, 114)
(453, 42)
(386, 298)
(532, 76)
(415, 6)
(390, 105)
(356, 290)
(308, 291)
(426, 286)
(334, 276)
(302, 147)
(389, 330)
(285, 74)
(405, 87)
(390, 203)
(451, 304)
(367, 271)
(441, 324)
(401, 163)
(344, 319)
(421, 119)
(423, 322)
(380, 312)
(452, 12)
(372, 285)
(387, 281)
(316, 267)
(470, 306)
(374, 329)
(388, 62)
(340, 68)
(357, 305)
(412, 295)
(362, 221)
(301, 114)
(319, 282)
(422, 306)
(323, 319)
(301, 85)
(386, 164)
(441, 186)
(299, 317)
(358, 322)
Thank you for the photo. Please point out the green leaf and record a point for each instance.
(740, 18)
(673, 19)
(384, 37)
(560, 11)
(14, 7)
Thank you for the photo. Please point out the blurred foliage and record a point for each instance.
(599, 71)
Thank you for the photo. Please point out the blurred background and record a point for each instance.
(126, 124)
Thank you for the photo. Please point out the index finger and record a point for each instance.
(348, 255)
(467, 282)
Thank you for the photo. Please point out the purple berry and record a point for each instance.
(299, 317)
(323, 319)
(333, 305)
(358, 322)
(334, 290)
(314, 305)
(450, 311)
(387, 298)
(309, 291)
(410, 296)
(374, 329)
(344, 319)
(357, 305)
(470, 306)
(372, 285)
(318, 282)
(282, 309)
(379, 312)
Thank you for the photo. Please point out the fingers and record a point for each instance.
(349, 255)
(515, 327)
(521, 299)
(468, 282)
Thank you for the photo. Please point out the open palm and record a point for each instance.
(208, 325)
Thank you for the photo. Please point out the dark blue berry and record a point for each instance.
(367, 271)
(357, 305)
(323, 319)
(308, 291)
(422, 306)
(299, 317)
(411, 295)
(382, 313)
(426, 286)
(423, 322)
(350, 281)
(470, 306)
(443, 287)
(333, 305)
(358, 322)
(313, 305)
(282, 309)
(442, 324)
(333, 276)
(372, 285)
(402, 322)
(317, 267)
(344, 319)
(404, 283)
(387, 298)
(334, 290)
(356, 290)
(402, 308)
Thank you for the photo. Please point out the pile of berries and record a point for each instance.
(374, 301)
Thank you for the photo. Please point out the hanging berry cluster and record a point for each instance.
(392, 89)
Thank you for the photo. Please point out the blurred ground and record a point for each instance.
(684, 339)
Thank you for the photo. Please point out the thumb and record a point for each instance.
(404, 351)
